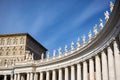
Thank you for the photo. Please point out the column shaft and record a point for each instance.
(98, 68)
(85, 71)
(117, 60)
(41, 75)
(111, 64)
(91, 69)
(104, 66)
(79, 72)
(72, 72)
(28, 76)
(53, 75)
(5, 77)
(66, 74)
(31, 76)
(15, 76)
(35, 76)
(47, 75)
(60, 77)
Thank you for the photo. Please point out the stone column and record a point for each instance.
(91, 69)
(111, 65)
(72, 72)
(18, 77)
(35, 76)
(104, 66)
(66, 73)
(117, 60)
(28, 76)
(85, 71)
(31, 76)
(22, 77)
(60, 77)
(47, 75)
(53, 75)
(5, 77)
(15, 76)
(98, 68)
(41, 75)
(79, 72)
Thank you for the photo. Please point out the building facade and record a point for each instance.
(96, 59)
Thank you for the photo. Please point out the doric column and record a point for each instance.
(104, 66)
(78, 71)
(47, 75)
(98, 68)
(35, 76)
(31, 76)
(91, 69)
(117, 60)
(66, 73)
(85, 71)
(53, 75)
(72, 72)
(18, 76)
(22, 77)
(28, 76)
(111, 64)
(15, 76)
(41, 75)
(5, 77)
(60, 77)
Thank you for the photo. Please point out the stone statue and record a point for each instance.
(84, 38)
(66, 48)
(111, 6)
(54, 53)
(78, 42)
(48, 55)
(101, 24)
(72, 45)
(106, 15)
(42, 56)
(59, 51)
(95, 29)
(90, 35)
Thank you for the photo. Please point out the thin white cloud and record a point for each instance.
(92, 9)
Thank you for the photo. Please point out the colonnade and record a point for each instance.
(103, 66)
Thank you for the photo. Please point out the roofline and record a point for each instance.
(20, 34)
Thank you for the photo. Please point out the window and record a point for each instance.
(6, 53)
(13, 53)
(0, 53)
(20, 52)
(2, 41)
(8, 41)
(21, 40)
(15, 41)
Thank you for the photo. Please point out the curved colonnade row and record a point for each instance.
(97, 60)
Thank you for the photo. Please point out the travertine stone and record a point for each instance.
(5, 77)
(72, 72)
(111, 63)
(98, 67)
(28, 76)
(60, 75)
(85, 71)
(79, 71)
(47, 75)
(117, 60)
(91, 69)
(66, 73)
(53, 75)
(104, 66)
(41, 75)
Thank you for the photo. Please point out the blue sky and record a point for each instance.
(54, 23)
